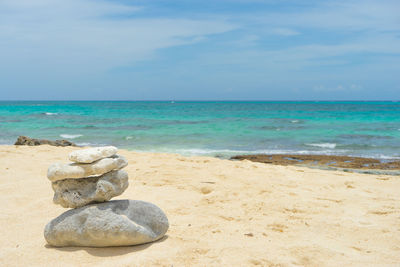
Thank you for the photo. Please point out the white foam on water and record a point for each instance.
(240, 152)
(70, 136)
(323, 145)
(4, 142)
(226, 153)
(294, 121)
(91, 144)
(196, 151)
(50, 113)
(84, 144)
(128, 137)
(387, 157)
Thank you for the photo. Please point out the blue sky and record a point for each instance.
(199, 50)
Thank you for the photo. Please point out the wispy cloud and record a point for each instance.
(284, 31)
(251, 48)
(338, 88)
(93, 35)
(348, 15)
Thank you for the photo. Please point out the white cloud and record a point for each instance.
(331, 31)
(73, 43)
(348, 15)
(284, 31)
(24, 11)
(338, 88)
(83, 36)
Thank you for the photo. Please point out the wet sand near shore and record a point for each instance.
(344, 163)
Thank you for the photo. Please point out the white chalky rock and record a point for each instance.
(75, 193)
(90, 155)
(113, 223)
(61, 171)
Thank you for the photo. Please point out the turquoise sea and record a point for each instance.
(370, 129)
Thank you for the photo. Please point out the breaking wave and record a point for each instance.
(70, 136)
(323, 145)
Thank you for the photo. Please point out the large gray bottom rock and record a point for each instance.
(75, 193)
(92, 154)
(114, 223)
(60, 171)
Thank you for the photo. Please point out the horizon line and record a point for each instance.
(192, 100)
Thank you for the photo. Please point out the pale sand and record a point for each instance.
(221, 212)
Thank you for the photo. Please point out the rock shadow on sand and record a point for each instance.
(108, 251)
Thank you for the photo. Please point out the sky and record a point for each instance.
(199, 50)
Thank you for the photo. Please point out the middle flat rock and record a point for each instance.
(61, 171)
(75, 193)
(113, 223)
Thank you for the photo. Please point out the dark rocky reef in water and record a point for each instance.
(344, 163)
(27, 141)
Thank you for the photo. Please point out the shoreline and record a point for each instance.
(344, 163)
(328, 162)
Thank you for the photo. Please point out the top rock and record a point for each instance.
(90, 155)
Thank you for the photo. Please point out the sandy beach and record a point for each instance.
(221, 213)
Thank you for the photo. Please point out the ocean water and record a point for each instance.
(370, 129)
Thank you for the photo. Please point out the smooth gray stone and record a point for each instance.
(75, 193)
(92, 154)
(113, 223)
(61, 171)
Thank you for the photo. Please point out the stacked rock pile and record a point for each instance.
(95, 176)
